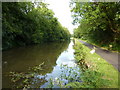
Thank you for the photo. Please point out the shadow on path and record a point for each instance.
(110, 57)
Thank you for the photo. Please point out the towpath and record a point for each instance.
(111, 57)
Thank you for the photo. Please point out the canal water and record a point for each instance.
(49, 65)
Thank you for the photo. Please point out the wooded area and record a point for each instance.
(27, 23)
(99, 22)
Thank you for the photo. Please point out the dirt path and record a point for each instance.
(110, 57)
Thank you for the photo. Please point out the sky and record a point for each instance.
(62, 12)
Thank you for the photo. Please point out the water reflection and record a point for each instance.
(20, 59)
(64, 76)
(65, 71)
(58, 70)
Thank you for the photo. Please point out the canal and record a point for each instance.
(48, 65)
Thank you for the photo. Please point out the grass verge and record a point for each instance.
(112, 46)
(96, 72)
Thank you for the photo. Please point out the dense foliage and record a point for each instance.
(99, 22)
(30, 23)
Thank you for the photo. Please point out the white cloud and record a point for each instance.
(62, 12)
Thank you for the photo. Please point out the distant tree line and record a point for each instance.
(25, 23)
(99, 22)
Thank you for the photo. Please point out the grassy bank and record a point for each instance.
(96, 72)
(114, 47)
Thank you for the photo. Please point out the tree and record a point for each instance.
(99, 21)
(27, 23)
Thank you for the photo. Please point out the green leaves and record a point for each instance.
(30, 23)
(99, 21)
(27, 79)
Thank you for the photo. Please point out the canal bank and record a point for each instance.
(109, 56)
(96, 72)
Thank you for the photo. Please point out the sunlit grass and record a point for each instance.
(99, 73)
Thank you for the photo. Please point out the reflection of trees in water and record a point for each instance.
(68, 75)
(20, 59)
